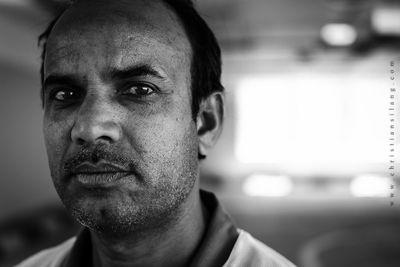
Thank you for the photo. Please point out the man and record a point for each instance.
(132, 102)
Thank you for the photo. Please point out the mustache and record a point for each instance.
(96, 154)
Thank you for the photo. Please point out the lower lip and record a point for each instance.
(99, 179)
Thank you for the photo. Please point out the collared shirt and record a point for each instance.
(222, 245)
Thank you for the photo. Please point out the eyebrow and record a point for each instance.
(114, 73)
(61, 79)
(134, 71)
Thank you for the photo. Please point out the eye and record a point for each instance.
(140, 90)
(64, 95)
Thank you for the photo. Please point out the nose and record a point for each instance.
(97, 121)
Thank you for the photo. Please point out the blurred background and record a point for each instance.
(303, 162)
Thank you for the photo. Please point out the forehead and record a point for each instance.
(117, 34)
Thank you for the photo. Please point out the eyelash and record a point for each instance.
(154, 89)
(72, 94)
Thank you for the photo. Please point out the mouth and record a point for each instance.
(101, 174)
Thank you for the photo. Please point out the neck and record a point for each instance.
(172, 246)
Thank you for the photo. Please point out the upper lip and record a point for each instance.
(102, 167)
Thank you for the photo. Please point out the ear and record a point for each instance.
(209, 122)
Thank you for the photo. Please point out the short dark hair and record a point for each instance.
(206, 54)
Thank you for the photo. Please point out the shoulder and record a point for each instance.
(248, 251)
(51, 257)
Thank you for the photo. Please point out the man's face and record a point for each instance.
(121, 142)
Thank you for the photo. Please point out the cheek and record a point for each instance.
(173, 158)
(56, 141)
(165, 137)
(167, 131)
(166, 144)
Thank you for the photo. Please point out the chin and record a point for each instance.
(116, 217)
(106, 216)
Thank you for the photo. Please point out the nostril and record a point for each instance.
(100, 129)
(105, 138)
(101, 139)
(80, 141)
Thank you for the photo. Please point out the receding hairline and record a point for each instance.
(82, 11)
(66, 23)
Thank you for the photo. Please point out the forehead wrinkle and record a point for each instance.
(130, 57)
(127, 34)
(132, 46)
(131, 28)
(56, 55)
(130, 16)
